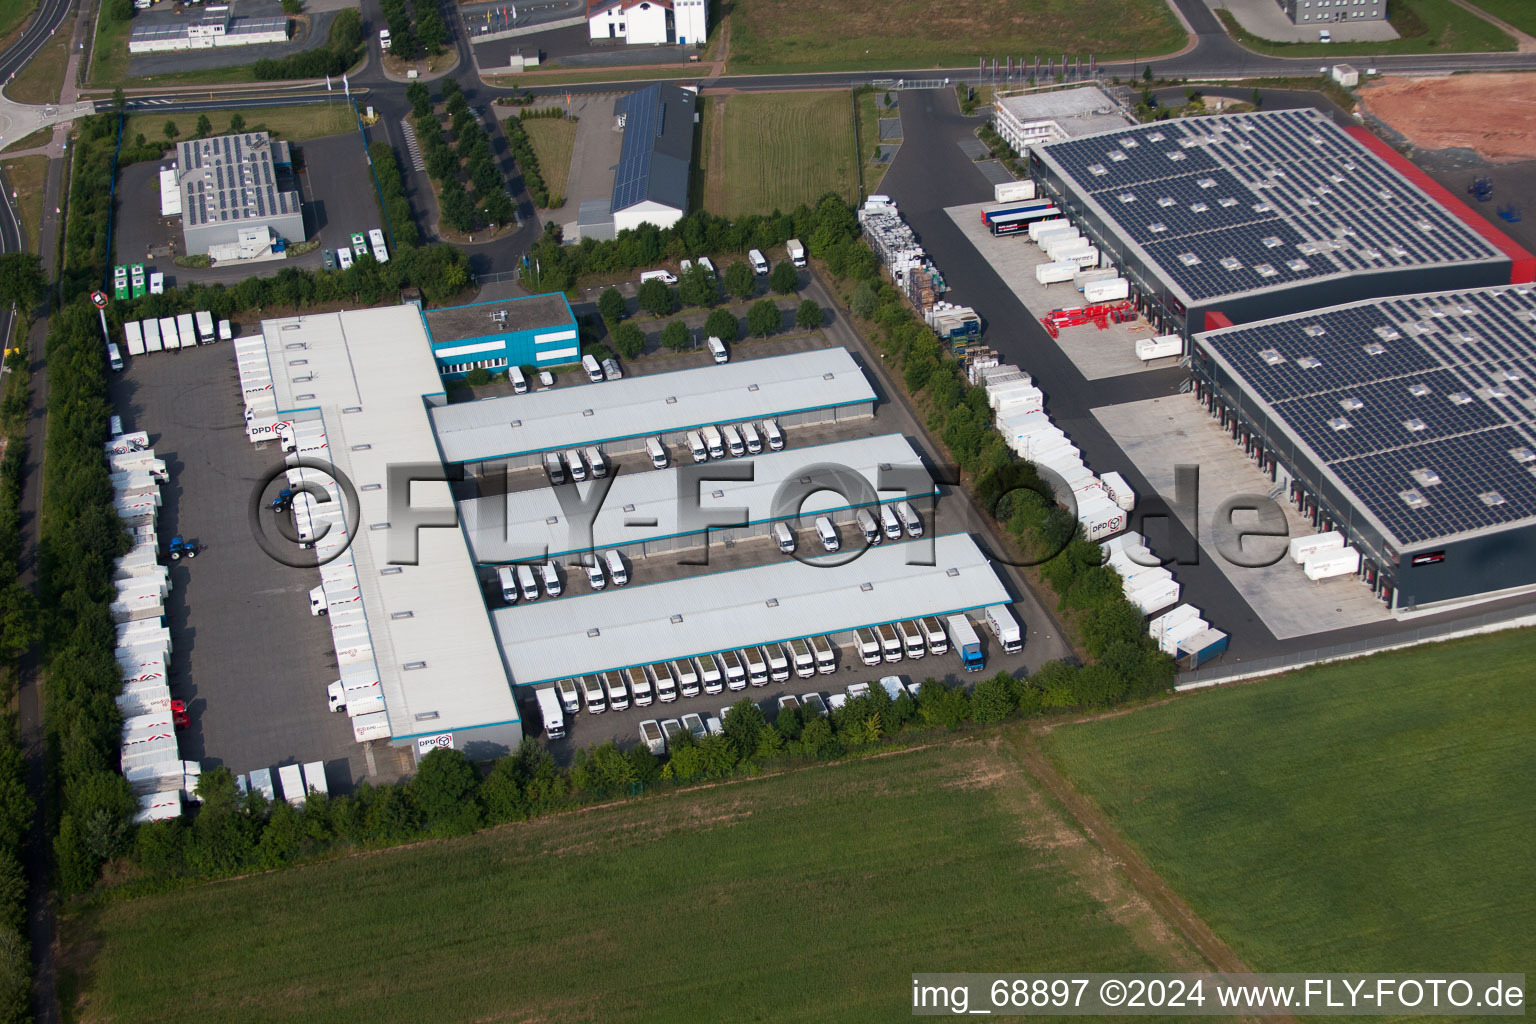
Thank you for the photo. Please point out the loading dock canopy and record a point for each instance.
(783, 600)
(649, 506)
(658, 403)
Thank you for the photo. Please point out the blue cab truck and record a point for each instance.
(962, 636)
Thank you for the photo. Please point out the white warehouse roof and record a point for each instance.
(653, 404)
(533, 526)
(702, 614)
(366, 371)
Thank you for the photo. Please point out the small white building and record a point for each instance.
(1036, 118)
(214, 26)
(684, 22)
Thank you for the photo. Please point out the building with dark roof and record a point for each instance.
(534, 330)
(1407, 423)
(234, 182)
(650, 185)
(1219, 220)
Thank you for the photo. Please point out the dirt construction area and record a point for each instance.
(1493, 115)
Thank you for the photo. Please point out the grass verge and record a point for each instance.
(553, 139)
(27, 176)
(13, 15)
(296, 123)
(1519, 13)
(768, 36)
(1367, 816)
(109, 51)
(809, 896)
(42, 79)
(538, 78)
(782, 149)
(41, 137)
(1426, 26)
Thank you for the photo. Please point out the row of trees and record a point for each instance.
(763, 318)
(528, 161)
(343, 48)
(395, 207)
(467, 159)
(90, 205)
(407, 41)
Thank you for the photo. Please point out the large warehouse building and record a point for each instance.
(786, 600)
(1408, 423)
(1216, 221)
(537, 331)
(647, 513)
(820, 385)
(234, 182)
(362, 374)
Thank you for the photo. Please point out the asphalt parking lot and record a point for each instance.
(247, 657)
(300, 38)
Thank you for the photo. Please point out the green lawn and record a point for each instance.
(14, 14)
(785, 148)
(1426, 26)
(296, 123)
(773, 35)
(810, 896)
(538, 78)
(109, 52)
(552, 139)
(42, 79)
(1519, 13)
(1373, 815)
(27, 176)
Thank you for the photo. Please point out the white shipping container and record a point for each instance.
(1106, 291)
(1022, 426)
(151, 329)
(1082, 277)
(1054, 273)
(1060, 242)
(1160, 625)
(373, 726)
(185, 328)
(1181, 631)
(158, 807)
(1118, 491)
(1013, 191)
(1148, 349)
(144, 698)
(1303, 548)
(1042, 444)
(168, 335)
(1054, 231)
(1019, 402)
(133, 334)
(1334, 562)
(1045, 227)
(1081, 257)
(1155, 596)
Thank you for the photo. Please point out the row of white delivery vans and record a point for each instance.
(523, 580)
(576, 464)
(597, 372)
(736, 440)
(894, 519)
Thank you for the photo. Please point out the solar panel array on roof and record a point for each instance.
(1252, 201)
(657, 151)
(1422, 405)
(230, 178)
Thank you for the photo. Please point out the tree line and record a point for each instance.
(528, 160)
(393, 204)
(343, 48)
(467, 159)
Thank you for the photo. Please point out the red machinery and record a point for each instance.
(1100, 316)
(179, 715)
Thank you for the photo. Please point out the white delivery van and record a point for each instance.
(508, 580)
(735, 671)
(803, 658)
(551, 711)
(527, 583)
(657, 453)
(616, 570)
(665, 277)
(710, 674)
(910, 519)
(551, 573)
(757, 666)
(594, 370)
(749, 437)
(785, 538)
(577, 467)
(598, 467)
(778, 662)
(593, 696)
(519, 382)
(759, 263)
(713, 442)
(554, 467)
(661, 677)
(890, 522)
(774, 436)
(826, 658)
(869, 646)
(618, 695)
(569, 694)
(866, 521)
(911, 639)
(696, 446)
(687, 676)
(639, 686)
(114, 357)
(717, 350)
(827, 532)
(733, 442)
(933, 634)
(595, 578)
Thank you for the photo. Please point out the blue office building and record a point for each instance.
(535, 330)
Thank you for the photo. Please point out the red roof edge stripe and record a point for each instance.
(1523, 270)
(1216, 318)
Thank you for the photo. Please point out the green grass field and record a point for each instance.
(27, 175)
(1447, 28)
(531, 79)
(42, 79)
(780, 150)
(810, 896)
(14, 14)
(1373, 815)
(552, 139)
(1519, 13)
(307, 121)
(771, 35)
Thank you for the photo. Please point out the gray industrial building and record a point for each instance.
(1332, 12)
(235, 183)
(650, 184)
(667, 510)
(816, 386)
(1407, 423)
(642, 624)
(1221, 220)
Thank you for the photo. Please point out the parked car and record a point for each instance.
(330, 259)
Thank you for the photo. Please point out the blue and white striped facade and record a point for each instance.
(550, 340)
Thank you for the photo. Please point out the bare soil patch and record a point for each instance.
(1493, 115)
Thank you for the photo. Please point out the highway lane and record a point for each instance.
(50, 15)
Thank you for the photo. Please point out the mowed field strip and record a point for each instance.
(1372, 815)
(552, 139)
(771, 35)
(774, 151)
(810, 896)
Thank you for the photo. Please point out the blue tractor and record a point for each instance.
(183, 548)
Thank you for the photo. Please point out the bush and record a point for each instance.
(722, 324)
(342, 49)
(764, 318)
(808, 315)
(676, 336)
(740, 281)
(610, 306)
(478, 377)
(655, 297)
(527, 160)
(629, 340)
(783, 278)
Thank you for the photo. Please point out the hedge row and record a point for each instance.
(90, 206)
(528, 160)
(343, 48)
(395, 207)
